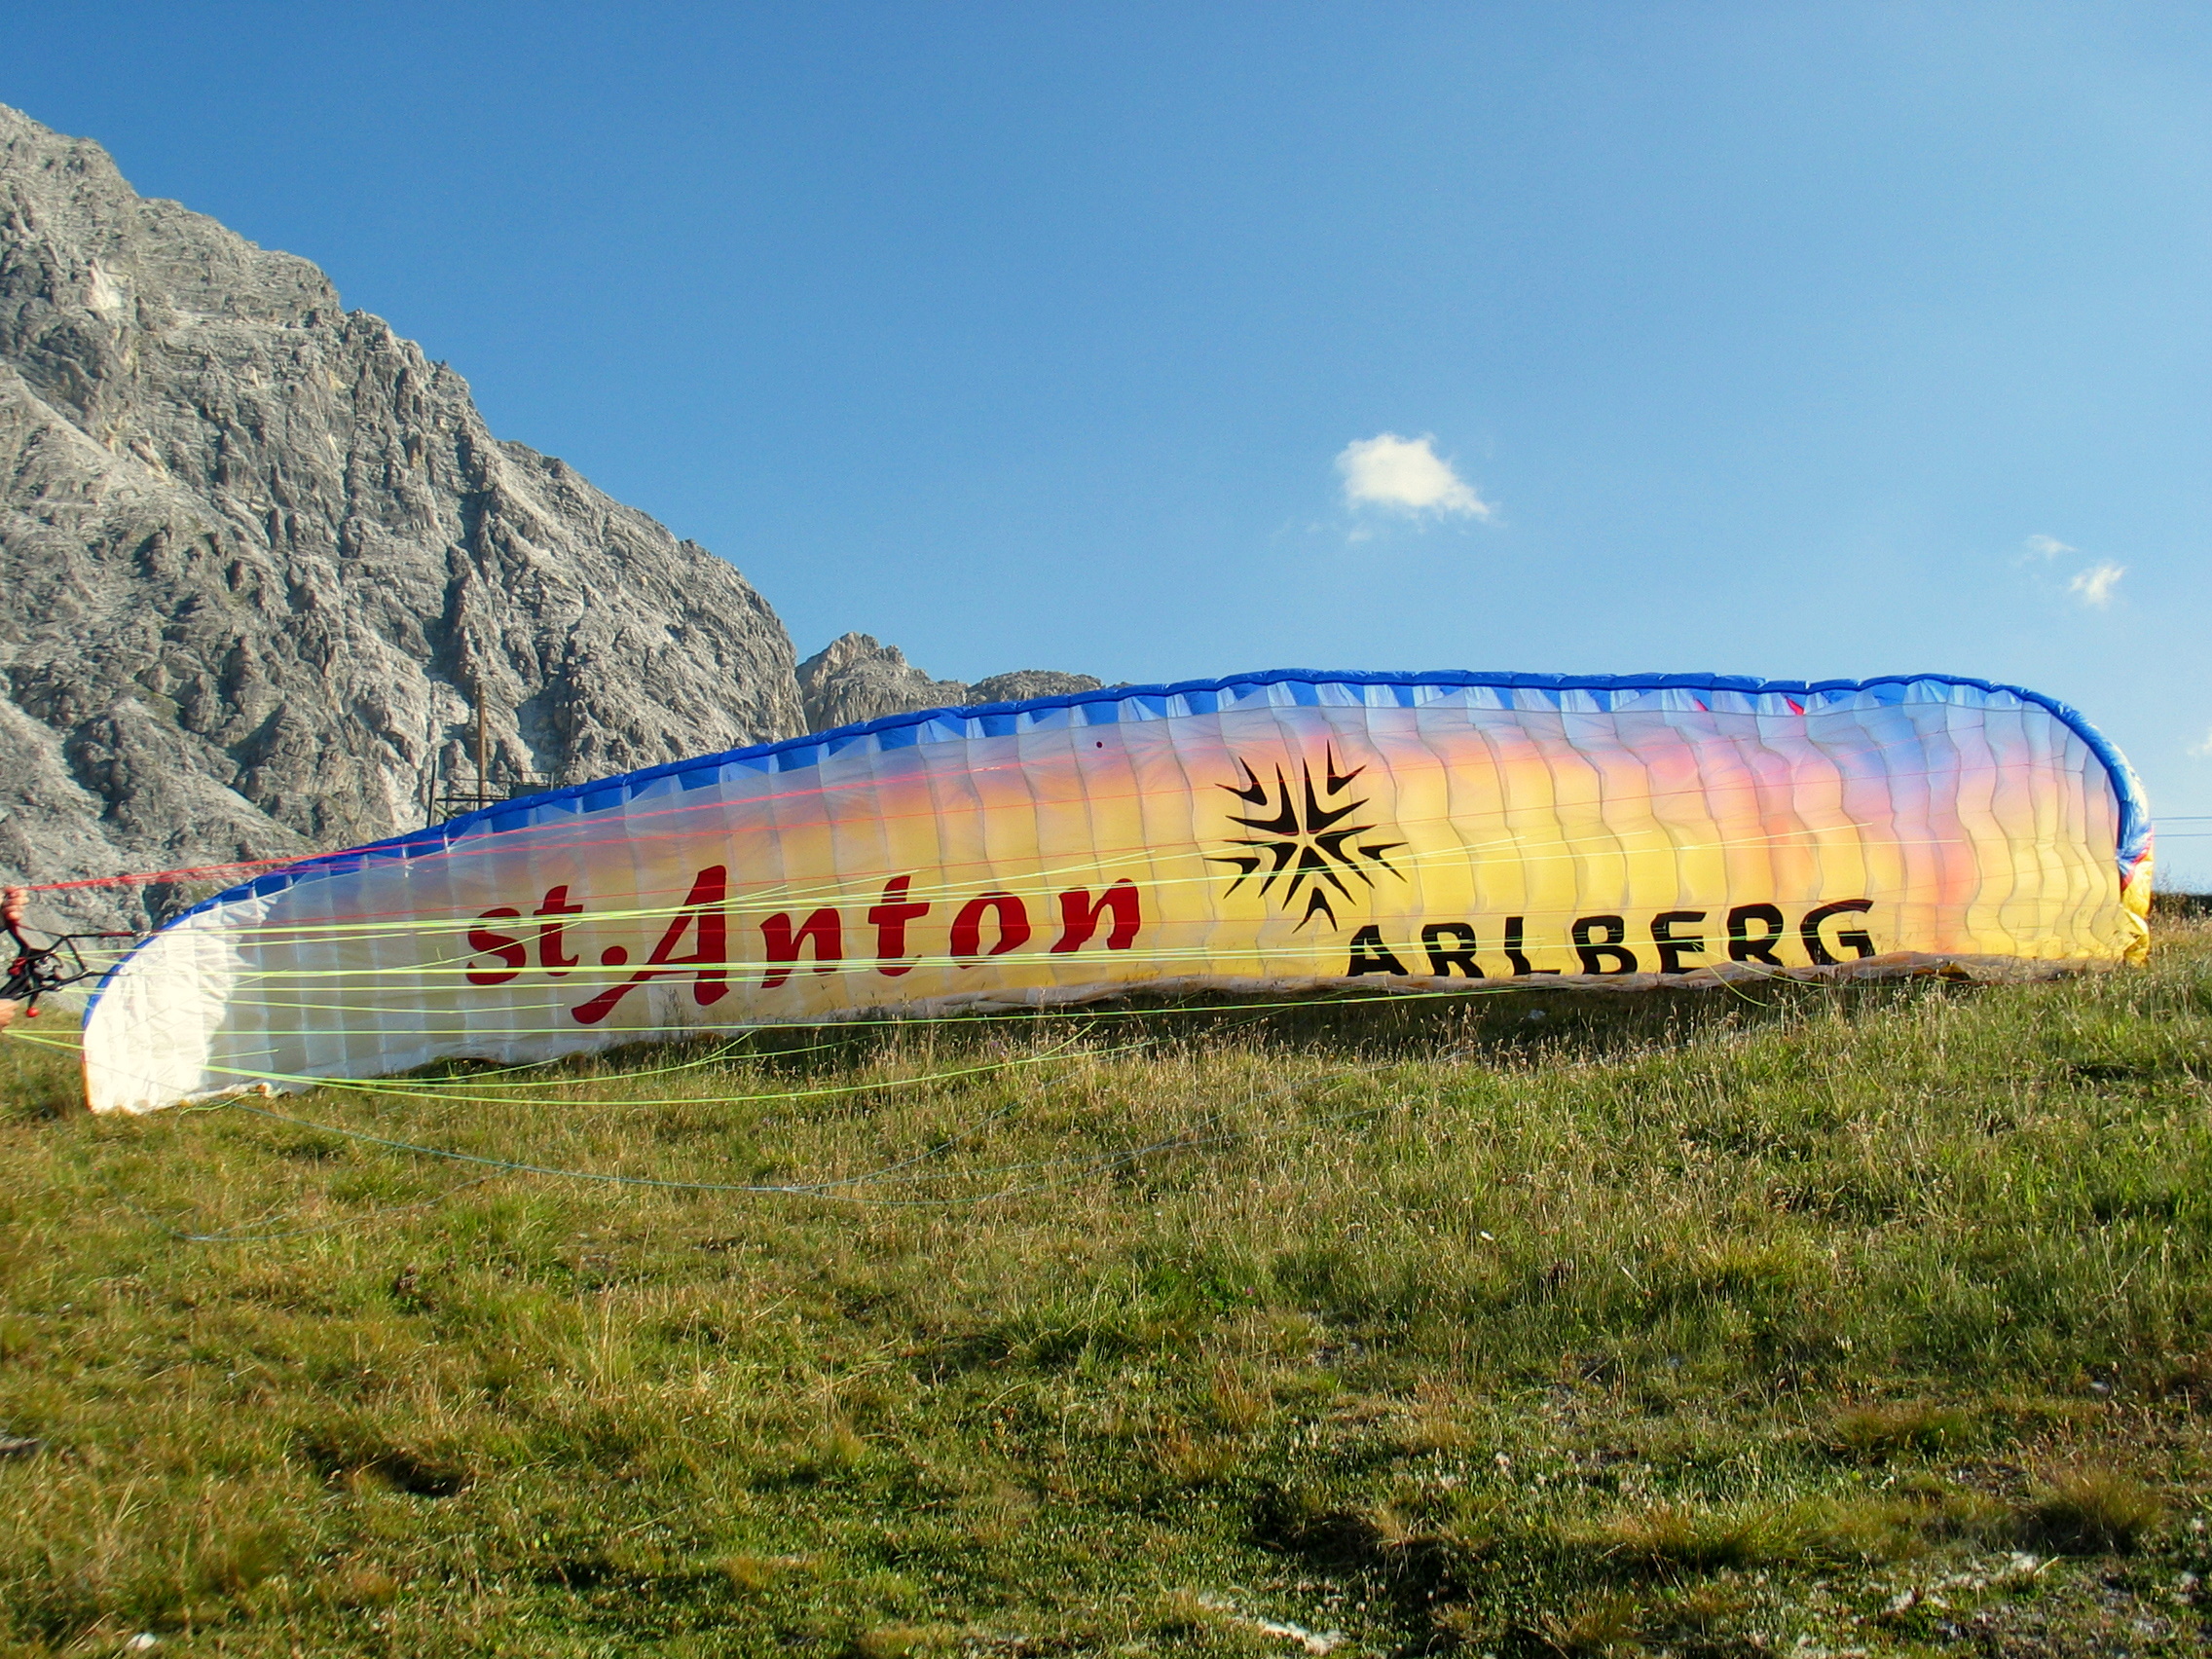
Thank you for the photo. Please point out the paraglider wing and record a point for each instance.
(1264, 833)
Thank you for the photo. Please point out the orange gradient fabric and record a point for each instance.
(1272, 832)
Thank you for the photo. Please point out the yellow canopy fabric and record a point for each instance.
(1269, 831)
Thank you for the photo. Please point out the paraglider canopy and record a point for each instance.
(1269, 831)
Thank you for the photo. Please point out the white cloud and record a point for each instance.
(2203, 751)
(2093, 586)
(2048, 547)
(1406, 475)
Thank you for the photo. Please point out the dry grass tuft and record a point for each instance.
(1604, 1626)
(1666, 1538)
(2093, 1511)
(1878, 1431)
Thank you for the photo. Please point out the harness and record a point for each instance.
(37, 969)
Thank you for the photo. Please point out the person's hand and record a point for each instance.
(9, 1008)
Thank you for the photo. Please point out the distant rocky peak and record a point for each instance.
(855, 679)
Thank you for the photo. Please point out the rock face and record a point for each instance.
(855, 679)
(264, 563)
(1018, 685)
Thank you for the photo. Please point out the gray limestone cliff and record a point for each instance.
(855, 679)
(262, 560)
(267, 574)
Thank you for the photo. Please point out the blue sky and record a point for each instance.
(1804, 339)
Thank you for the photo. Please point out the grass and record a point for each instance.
(1842, 1319)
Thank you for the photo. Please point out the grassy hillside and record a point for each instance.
(1818, 1320)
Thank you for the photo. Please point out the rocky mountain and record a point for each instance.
(264, 565)
(267, 576)
(855, 679)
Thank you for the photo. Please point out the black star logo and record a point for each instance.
(1303, 840)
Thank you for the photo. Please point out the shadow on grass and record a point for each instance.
(1496, 1023)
